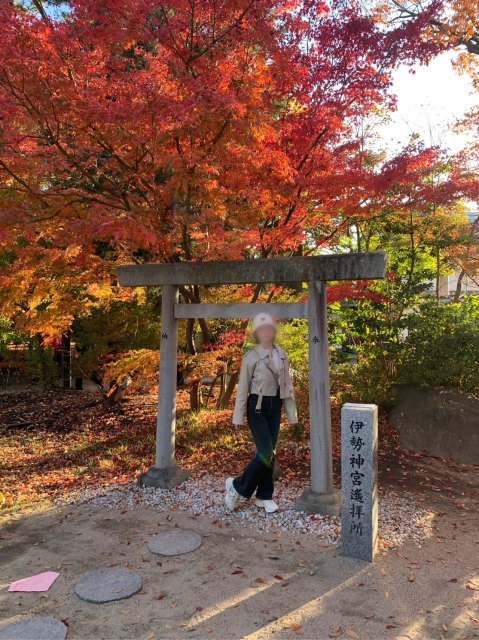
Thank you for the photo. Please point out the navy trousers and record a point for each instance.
(264, 425)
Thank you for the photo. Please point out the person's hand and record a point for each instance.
(238, 427)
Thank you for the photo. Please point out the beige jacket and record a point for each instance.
(259, 375)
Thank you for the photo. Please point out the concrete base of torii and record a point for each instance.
(163, 478)
(326, 504)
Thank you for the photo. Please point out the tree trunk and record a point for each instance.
(190, 343)
(222, 389)
(195, 389)
(225, 397)
(65, 361)
(205, 331)
(457, 293)
(438, 270)
(195, 403)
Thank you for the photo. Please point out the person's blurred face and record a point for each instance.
(265, 334)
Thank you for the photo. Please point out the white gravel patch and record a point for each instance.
(400, 520)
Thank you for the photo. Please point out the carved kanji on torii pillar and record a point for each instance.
(321, 497)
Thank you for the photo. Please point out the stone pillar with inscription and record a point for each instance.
(165, 473)
(359, 481)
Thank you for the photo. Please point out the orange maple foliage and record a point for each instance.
(132, 132)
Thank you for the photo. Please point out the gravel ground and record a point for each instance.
(401, 519)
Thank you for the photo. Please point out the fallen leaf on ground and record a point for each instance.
(260, 581)
(117, 590)
(159, 596)
(411, 577)
(150, 636)
(453, 580)
(264, 611)
(383, 571)
(370, 615)
(125, 611)
(278, 577)
(386, 594)
(100, 622)
(352, 634)
(208, 629)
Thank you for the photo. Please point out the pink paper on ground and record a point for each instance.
(40, 582)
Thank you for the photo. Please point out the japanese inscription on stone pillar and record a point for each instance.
(359, 483)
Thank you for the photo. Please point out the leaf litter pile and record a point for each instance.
(64, 445)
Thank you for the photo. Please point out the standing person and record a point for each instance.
(264, 387)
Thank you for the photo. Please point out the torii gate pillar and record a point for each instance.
(321, 497)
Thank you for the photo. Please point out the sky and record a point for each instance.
(430, 99)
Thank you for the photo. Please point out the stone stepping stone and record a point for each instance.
(174, 543)
(106, 585)
(34, 629)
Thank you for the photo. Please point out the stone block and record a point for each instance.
(326, 504)
(163, 478)
(174, 542)
(359, 481)
(443, 422)
(37, 628)
(106, 585)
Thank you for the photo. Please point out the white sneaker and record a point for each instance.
(269, 506)
(232, 496)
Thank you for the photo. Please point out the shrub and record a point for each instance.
(442, 346)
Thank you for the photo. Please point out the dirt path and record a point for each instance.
(304, 589)
(308, 589)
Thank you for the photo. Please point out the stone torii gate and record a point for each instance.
(321, 497)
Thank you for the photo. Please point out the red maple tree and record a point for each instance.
(199, 130)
